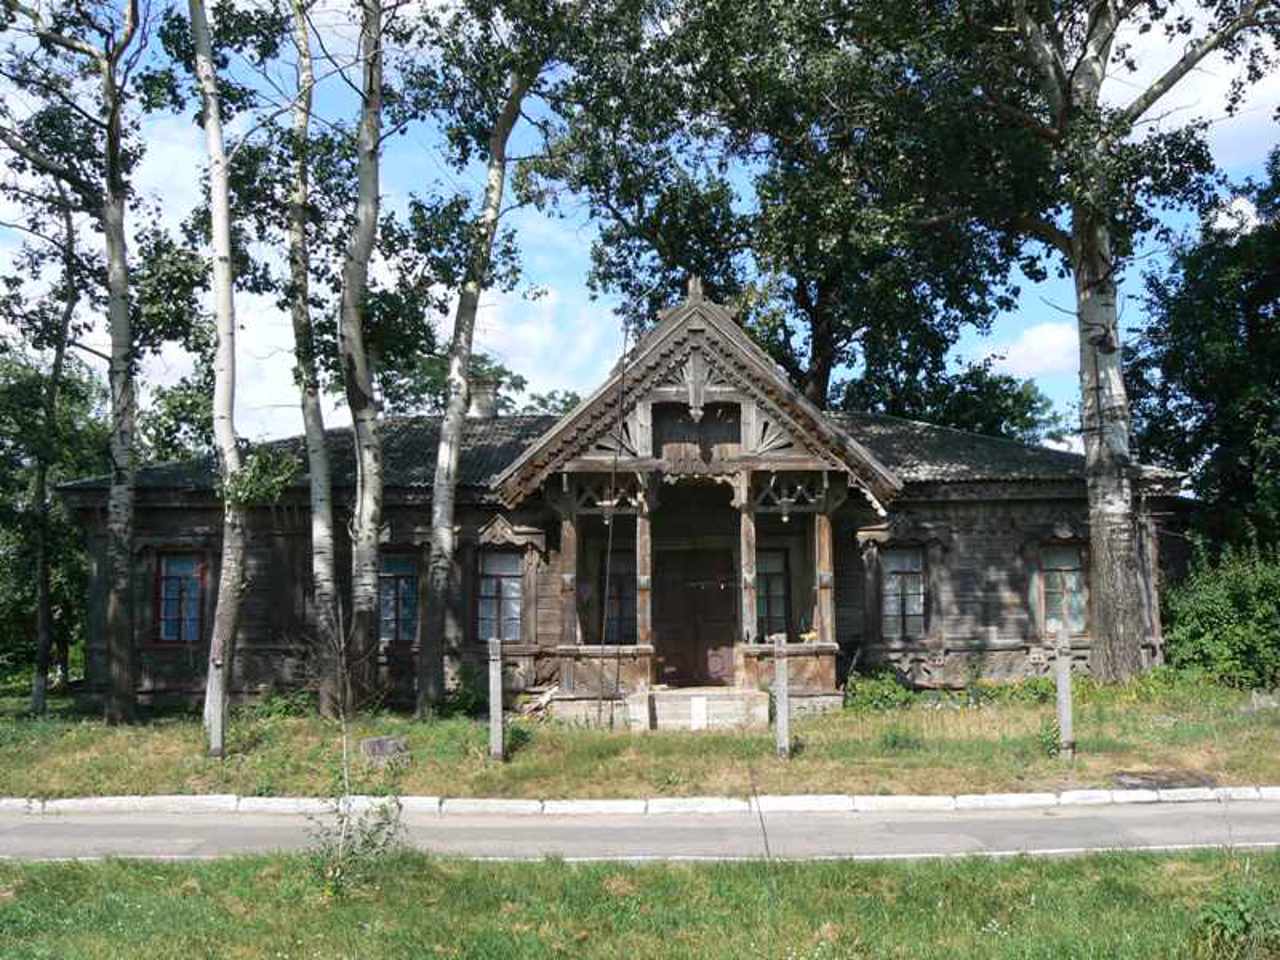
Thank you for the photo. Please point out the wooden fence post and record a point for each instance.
(496, 751)
(781, 696)
(1062, 674)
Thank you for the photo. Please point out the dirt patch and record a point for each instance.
(1167, 779)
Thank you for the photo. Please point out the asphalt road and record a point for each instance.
(1049, 831)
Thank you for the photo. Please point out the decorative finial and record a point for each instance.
(695, 287)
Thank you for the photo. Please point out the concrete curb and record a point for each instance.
(188, 804)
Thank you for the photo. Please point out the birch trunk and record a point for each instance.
(443, 540)
(332, 682)
(44, 607)
(231, 577)
(357, 366)
(1115, 587)
(121, 697)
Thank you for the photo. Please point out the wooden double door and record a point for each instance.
(695, 616)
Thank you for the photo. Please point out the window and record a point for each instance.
(1065, 596)
(397, 600)
(179, 598)
(772, 615)
(902, 609)
(501, 589)
(620, 614)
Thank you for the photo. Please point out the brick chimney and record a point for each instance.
(483, 404)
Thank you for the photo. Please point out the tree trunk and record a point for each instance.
(357, 366)
(443, 542)
(332, 680)
(121, 699)
(1115, 589)
(44, 607)
(231, 575)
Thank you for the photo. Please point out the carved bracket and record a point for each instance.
(501, 532)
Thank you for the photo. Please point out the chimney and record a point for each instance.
(484, 399)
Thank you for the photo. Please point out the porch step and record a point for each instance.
(698, 708)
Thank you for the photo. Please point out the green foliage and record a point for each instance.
(1049, 737)
(266, 473)
(348, 849)
(1242, 922)
(880, 690)
(975, 399)
(1204, 369)
(1224, 618)
(555, 402)
(469, 697)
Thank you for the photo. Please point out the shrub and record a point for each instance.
(880, 690)
(1224, 618)
(1241, 922)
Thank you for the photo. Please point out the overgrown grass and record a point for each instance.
(929, 745)
(1119, 907)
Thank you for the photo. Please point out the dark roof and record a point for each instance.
(916, 452)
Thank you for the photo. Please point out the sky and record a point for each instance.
(565, 340)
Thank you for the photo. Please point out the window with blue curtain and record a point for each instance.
(179, 598)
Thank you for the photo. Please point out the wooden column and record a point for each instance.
(569, 579)
(747, 558)
(824, 581)
(644, 580)
(870, 593)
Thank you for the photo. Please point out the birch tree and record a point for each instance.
(489, 58)
(79, 60)
(357, 363)
(1042, 68)
(231, 575)
(324, 578)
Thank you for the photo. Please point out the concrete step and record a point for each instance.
(698, 708)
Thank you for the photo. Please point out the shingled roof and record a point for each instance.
(916, 452)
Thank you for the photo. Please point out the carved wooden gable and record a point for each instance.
(695, 396)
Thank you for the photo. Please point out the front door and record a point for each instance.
(695, 620)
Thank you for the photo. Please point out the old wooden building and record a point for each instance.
(658, 538)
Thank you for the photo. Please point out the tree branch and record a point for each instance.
(1192, 58)
(48, 166)
(1044, 231)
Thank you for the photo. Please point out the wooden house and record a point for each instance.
(658, 538)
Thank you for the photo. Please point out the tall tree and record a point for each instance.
(358, 372)
(1095, 175)
(49, 324)
(746, 144)
(231, 574)
(78, 59)
(491, 58)
(1205, 365)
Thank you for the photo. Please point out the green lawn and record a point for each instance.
(410, 906)
(1191, 729)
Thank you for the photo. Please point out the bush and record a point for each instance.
(880, 690)
(1224, 618)
(1241, 922)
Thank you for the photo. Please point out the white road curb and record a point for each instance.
(698, 805)
(894, 803)
(803, 803)
(184, 805)
(580, 808)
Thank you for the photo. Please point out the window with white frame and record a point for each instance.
(1064, 592)
(501, 595)
(902, 593)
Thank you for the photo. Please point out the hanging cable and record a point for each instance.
(608, 513)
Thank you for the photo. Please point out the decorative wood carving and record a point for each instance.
(501, 532)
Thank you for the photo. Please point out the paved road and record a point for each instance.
(1050, 831)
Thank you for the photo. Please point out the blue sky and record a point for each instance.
(566, 340)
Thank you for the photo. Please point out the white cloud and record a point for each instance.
(1239, 215)
(1041, 350)
(1236, 141)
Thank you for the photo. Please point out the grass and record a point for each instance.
(1193, 729)
(1119, 907)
